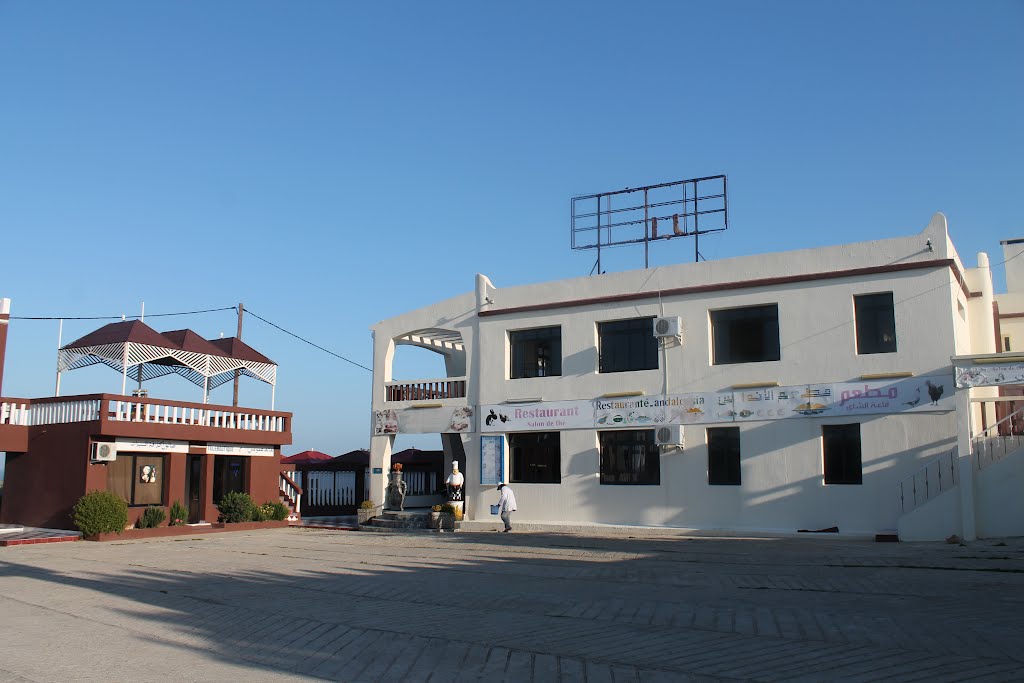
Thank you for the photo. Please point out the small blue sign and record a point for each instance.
(378, 470)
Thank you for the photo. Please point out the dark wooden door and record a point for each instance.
(193, 486)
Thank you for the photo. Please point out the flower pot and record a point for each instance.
(447, 521)
(435, 520)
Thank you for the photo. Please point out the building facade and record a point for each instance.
(780, 392)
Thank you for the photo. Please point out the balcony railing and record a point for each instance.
(14, 411)
(425, 389)
(103, 407)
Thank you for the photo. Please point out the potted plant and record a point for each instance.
(447, 517)
(367, 511)
(435, 517)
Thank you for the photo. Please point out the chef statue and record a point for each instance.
(454, 482)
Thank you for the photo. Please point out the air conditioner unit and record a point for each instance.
(670, 326)
(669, 435)
(104, 452)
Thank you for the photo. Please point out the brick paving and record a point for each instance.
(314, 604)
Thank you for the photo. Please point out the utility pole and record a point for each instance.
(238, 373)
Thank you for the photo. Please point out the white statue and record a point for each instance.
(454, 482)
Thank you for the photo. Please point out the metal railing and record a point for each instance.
(425, 389)
(995, 442)
(937, 476)
(293, 493)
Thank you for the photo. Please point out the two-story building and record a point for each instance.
(149, 451)
(788, 391)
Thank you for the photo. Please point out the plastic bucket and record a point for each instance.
(495, 509)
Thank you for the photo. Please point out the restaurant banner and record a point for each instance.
(447, 420)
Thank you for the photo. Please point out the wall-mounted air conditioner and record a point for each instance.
(103, 452)
(670, 326)
(669, 435)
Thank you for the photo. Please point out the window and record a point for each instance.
(536, 353)
(625, 345)
(876, 323)
(724, 455)
(536, 457)
(841, 445)
(228, 475)
(629, 456)
(137, 478)
(1006, 344)
(745, 335)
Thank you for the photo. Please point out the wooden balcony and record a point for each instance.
(138, 417)
(425, 389)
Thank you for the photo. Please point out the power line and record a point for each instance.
(119, 317)
(316, 346)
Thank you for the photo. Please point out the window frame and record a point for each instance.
(870, 328)
(649, 445)
(724, 456)
(530, 337)
(613, 343)
(133, 476)
(846, 452)
(218, 475)
(531, 443)
(732, 328)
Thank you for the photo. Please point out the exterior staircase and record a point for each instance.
(400, 521)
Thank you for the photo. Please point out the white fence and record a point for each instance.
(325, 488)
(135, 411)
(63, 412)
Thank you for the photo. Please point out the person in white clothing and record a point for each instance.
(507, 505)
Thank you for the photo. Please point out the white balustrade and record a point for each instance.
(157, 413)
(14, 413)
(425, 389)
(64, 412)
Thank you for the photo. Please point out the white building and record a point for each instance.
(791, 391)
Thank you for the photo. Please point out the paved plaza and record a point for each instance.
(309, 604)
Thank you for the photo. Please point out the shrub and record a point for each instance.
(279, 512)
(259, 513)
(367, 505)
(234, 507)
(448, 507)
(151, 518)
(179, 514)
(100, 512)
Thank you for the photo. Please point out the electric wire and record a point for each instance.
(302, 339)
(118, 317)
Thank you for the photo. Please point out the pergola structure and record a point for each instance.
(148, 354)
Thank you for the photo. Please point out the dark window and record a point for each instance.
(841, 444)
(228, 475)
(138, 479)
(745, 335)
(724, 455)
(629, 456)
(536, 353)
(876, 323)
(536, 457)
(625, 345)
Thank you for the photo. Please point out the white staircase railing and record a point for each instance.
(937, 476)
(989, 446)
(292, 493)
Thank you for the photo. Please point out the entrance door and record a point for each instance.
(193, 487)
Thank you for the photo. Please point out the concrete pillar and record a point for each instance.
(965, 461)
(380, 464)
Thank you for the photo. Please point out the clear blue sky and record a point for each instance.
(331, 164)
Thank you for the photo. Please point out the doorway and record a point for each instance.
(193, 487)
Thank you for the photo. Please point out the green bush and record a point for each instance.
(179, 514)
(279, 511)
(367, 505)
(235, 506)
(449, 508)
(151, 518)
(100, 512)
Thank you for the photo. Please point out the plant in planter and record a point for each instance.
(435, 517)
(100, 512)
(178, 515)
(151, 518)
(447, 519)
(235, 507)
(367, 511)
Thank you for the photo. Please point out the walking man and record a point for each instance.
(507, 505)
